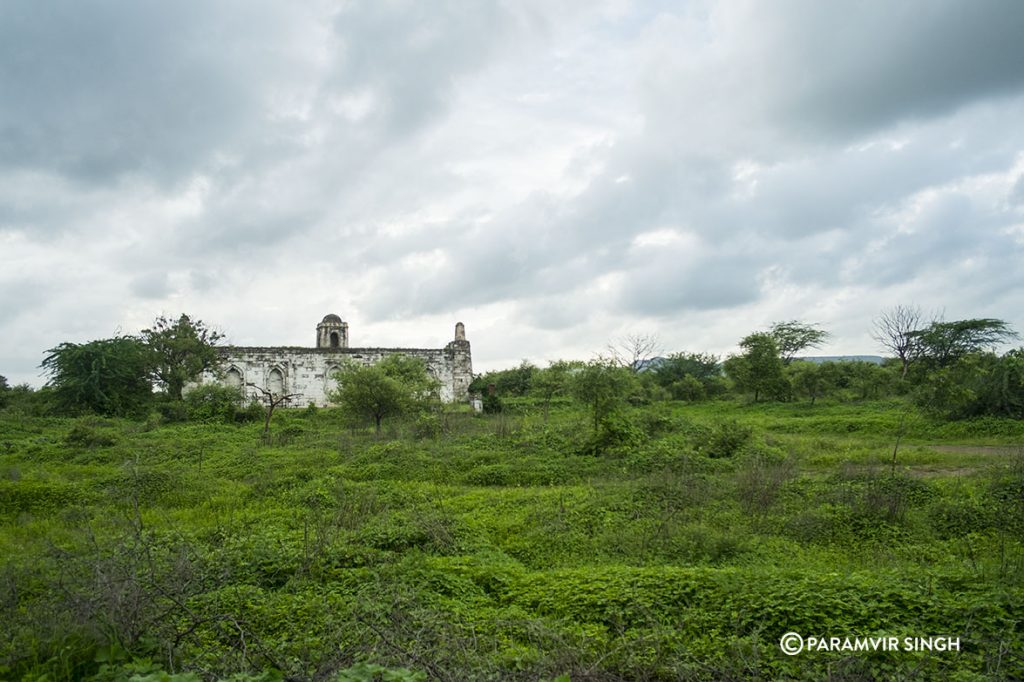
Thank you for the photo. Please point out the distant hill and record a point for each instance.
(819, 359)
(653, 363)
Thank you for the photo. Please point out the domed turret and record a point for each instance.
(332, 332)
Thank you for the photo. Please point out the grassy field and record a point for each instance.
(501, 547)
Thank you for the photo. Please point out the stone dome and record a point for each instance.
(331, 319)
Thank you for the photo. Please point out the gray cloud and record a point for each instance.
(96, 91)
(553, 173)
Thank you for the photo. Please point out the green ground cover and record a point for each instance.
(501, 547)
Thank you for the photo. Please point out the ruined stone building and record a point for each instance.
(309, 372)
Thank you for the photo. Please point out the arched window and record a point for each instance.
(335, 340)
(331, 378)
(233, 379)
(275, 382)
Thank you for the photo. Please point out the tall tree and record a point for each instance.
(793, 336)
(182, 350)
(106, 376)
(896, 329)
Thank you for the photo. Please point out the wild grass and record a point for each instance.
(500, 547)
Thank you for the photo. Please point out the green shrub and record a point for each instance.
(39, 497)
(253, 411)
(956, 518)
(616, 430)
(86, 435)
(212, 402)
(725, 439)
(172, 412)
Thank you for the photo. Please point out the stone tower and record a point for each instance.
(332, 332)
(460, 359)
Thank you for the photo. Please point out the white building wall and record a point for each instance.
(307, 371)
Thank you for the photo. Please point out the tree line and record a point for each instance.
(158, 371)
(949, 368)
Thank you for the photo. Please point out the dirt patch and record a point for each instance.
(977, 449)
(932, 472)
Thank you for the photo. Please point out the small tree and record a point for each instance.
(689, 376)
(809, 379)
(106, 376)
(396, 385)
(182, 350)
(516, 381)
(1003, 392)
(794, 336)
(553, 381)
(4, 390)
(603, 387)
(271, 401)
(758, 369)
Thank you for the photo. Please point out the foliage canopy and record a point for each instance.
(793, 336)
(106, 376)
(181, 351)
(396, 385)
(758, 369)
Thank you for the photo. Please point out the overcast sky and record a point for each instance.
(555, 174)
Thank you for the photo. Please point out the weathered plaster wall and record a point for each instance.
(307, 371)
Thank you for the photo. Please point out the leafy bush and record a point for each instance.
(106, 376)
(172, 412)
(213, 402)
(957, 518)
(86, 434)
(615, 430)
(725, 439)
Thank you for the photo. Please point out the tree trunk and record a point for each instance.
(266, 422)
(174, 390)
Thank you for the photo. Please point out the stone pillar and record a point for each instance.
(458, 354)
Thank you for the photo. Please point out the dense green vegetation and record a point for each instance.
(629, 518)
(512, 545)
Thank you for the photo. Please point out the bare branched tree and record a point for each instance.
(633, 351)
(272, 401)
(895, 329)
